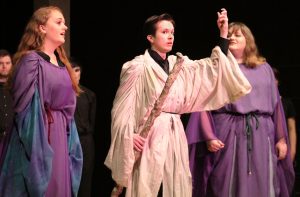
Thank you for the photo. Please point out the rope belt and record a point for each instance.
(249, 134)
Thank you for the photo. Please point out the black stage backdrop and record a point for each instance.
(104, 37)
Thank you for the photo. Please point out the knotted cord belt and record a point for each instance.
(249, 134)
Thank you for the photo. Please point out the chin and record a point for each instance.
(168, 50)
(62, 41)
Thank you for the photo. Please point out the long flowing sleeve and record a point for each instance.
(75, 157)
(285, 169)
(28, 154)
(25, 81)
(212, 82)
(200, 129)
(279, 120)
(120, 158)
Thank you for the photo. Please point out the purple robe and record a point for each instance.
(250, 128)
(44, 156)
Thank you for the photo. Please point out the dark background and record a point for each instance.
(104, 37)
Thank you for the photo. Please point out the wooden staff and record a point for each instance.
(155, 112)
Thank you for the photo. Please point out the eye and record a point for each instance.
(60, 22)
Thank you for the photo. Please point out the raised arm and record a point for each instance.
(222, 23)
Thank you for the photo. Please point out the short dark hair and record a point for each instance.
(150, 23)
(4, 52)
(75, 63)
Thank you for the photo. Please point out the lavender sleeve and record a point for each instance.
(279, 121)
(200, 127)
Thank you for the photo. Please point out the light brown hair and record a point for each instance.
(33, 39)
(251, 55)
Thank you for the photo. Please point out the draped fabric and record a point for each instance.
(44, 156)
(249, 127)
(204, 84)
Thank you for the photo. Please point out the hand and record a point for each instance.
(138, 142)
(222, 23)
(214, 145)
(281, 148)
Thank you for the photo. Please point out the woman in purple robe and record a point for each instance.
(241, 149)
(44, 156)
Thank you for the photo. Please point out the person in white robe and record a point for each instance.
(204, 84)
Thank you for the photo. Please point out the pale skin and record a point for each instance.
(77, 74)
(54, 31)
(5, 66)
(162, 42)
(237, 45)
(291, 123)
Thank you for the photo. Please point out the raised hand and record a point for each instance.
(222, 23)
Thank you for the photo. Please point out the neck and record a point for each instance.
(48, 48)
(162, 55)
(238, 56)
(240, 60)
(50, 53)
(52, 56)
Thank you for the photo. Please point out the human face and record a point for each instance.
(5, 66)
(237, 43)
(163, 40)
(77, 72)
(54, 29)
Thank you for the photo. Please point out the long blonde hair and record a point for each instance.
(33, 39)
(251, 54)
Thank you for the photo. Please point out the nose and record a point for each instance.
(231, 37)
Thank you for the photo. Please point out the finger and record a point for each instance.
(136, 148)
(211, 149)
(140, 143)
(139, 147)
(223, 10)
(220, 144)
(281, 155)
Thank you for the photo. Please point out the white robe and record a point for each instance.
(205, 84)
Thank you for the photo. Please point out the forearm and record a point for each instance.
(292, 136)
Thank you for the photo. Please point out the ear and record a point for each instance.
(150, 38)
(42, 28)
